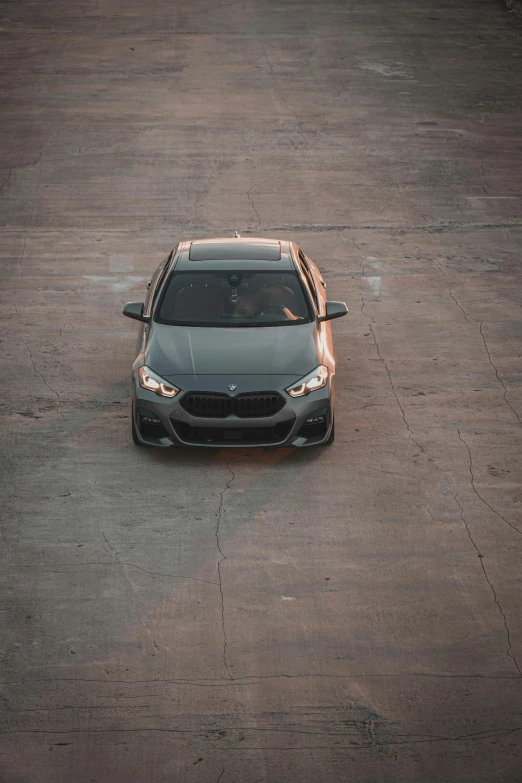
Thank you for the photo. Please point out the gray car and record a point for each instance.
(235, 348)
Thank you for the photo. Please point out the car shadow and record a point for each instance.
(194, 455)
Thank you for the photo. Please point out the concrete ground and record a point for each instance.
(368, 624)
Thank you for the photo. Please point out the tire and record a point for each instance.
(331, 437)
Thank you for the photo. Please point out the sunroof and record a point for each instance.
(235, 250)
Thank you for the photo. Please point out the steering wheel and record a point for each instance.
(272, 309)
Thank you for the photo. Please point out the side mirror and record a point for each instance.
(135, 310)
(334, 310)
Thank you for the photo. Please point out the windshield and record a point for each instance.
(234, 298)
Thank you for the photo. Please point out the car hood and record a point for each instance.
(269, 350)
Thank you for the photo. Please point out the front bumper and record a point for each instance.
(163, 422)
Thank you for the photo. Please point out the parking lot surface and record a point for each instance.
(365, 621)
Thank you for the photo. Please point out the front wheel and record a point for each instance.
(331, 436)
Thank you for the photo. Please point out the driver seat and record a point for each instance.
(275, 294)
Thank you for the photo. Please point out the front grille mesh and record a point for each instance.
(250, 405)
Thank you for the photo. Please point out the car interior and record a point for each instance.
(233, 296)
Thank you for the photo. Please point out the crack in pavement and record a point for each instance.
(258, 679)
(307, 62)
(5, 183)
(49, 566)
(221, 560)
(484, 175)
(361, 261)
(410, 431)
(363, 303)
(256, 185)
(477, 493)
(481, 558)
(21, 260)
(42, 376)
(478, 735)
(134, 590)
(277, 86)
(459, 305)
(498, 376)
(371, 731)
(249, 197)
(434, 228)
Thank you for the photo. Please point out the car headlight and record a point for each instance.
(311, 382)
(155, 383)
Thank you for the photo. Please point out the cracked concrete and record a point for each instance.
(40, 374)
(222, 560)
(392, 385)
(498, 376)
(459, 306)
(257, 185)
(350, 613)
(477, 493)
(481, 558)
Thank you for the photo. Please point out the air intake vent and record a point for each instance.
(221, 436)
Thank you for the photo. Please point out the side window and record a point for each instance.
(309, 279)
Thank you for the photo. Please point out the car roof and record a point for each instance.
(235, 253)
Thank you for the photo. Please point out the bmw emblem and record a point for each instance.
(232, 387)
